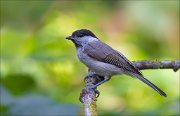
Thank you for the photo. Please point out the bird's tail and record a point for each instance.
(140, 77)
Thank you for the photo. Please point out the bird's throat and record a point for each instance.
(76, 44)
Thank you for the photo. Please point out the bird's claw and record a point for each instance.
(94, 87)
(97, 93)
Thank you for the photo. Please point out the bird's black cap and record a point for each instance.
(82, 33)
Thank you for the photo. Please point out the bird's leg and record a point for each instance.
(91, 79)
(92, 86)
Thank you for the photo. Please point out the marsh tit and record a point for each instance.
(103, 59)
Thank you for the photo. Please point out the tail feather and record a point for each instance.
(140, 77)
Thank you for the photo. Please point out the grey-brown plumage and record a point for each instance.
(105, 53)
(104, 60)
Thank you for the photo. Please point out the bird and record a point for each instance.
(103, 60)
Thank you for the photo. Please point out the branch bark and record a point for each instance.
(166, 64)
(88, 96)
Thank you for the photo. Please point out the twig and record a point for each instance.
(166, 64)
(88, 96)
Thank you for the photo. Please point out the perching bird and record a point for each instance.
(104, 60)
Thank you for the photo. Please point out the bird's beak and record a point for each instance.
(69, 38)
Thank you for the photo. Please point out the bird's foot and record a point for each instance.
(93, 80)
(97, 93)
(91, 86)
(94, 87)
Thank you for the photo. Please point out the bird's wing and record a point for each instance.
(104, 53)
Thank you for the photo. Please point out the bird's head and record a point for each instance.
(81, 36)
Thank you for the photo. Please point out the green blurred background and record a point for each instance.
(41, 75)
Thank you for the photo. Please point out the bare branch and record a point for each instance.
(145, 64)
(88, 97)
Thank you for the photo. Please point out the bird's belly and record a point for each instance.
(100, 68)
(104, 69)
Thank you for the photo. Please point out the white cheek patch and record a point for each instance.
(88, 39)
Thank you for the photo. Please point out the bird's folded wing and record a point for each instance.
(104, 53)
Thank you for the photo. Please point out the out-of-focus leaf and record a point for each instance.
(3, 110)
(18, 83)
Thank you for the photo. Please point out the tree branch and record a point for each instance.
(166, 64)
(88, 96)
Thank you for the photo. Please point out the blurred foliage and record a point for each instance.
(40, 73)
(18, 83)
(33, 105)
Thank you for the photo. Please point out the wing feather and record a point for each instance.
(104, 53)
